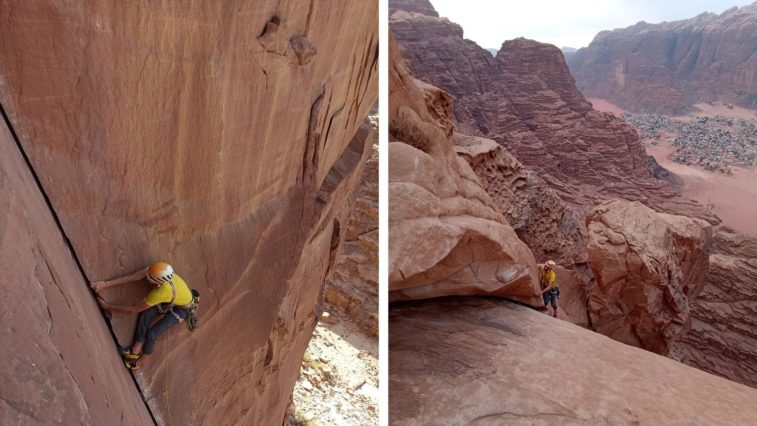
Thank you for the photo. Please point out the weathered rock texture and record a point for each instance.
(419, 6)
(723, 335)
(537, 214)
(489, 362)
(446, 236)
(566, 158)
(211, 137)
(353, 286)
(648, 268)
(526, 100)
(668, 67)
(59, 365)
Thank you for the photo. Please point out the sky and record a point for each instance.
(567, 23)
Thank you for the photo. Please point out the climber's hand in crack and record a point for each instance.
(103, 304)
(97, 286)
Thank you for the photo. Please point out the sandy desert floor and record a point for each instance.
(732, 197)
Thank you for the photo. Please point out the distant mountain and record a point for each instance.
(568, 51)
(668, 67)
(492, 50)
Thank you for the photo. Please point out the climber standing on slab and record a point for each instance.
(548, 280)
(170, 298)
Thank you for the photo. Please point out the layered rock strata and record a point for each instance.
(353, 286)
(490, 362)
(225, 141)
(723, 335)
(668, 67)
(526, 100)
(648, 268)
(446, 236)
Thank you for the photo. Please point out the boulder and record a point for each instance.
(648, 268)
(446, 237)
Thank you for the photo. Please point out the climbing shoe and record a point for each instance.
(124, 351)
(131, 361)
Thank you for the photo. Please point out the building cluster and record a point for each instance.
(714, 143)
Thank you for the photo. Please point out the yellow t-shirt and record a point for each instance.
(548, 278)
(163, 293)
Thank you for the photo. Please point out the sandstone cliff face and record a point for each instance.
(526, 100)
(723, 335)
(446, 237)
(667, 67)
(648, 269)
(59, 364)
(490, 362)
(223, 140)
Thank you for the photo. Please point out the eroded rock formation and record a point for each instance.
(526, 100)
(490, 362)
(667, 67)
(226, 141)
(353, 286)
(723, 335)
(446, 236)
(648, 268)
(566, 159)
(537, 214)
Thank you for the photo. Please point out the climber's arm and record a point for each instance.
(128, 278)
(139, 307)
(550, 286)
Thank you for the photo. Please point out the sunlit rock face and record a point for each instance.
(224, 140)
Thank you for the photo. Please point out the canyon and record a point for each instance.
(638, 262)
(226, 141)
(670, 66)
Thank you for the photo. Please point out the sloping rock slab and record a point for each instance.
(476, 361)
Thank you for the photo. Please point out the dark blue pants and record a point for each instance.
(149, 335)
(550, 298)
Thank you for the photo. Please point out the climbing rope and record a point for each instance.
(165, 386)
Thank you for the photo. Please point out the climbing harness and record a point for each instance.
(165, 308)
(191, 308)
(193, 315)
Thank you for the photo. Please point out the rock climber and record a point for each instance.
(548, 280)
(170, 298)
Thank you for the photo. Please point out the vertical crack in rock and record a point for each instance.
(65, 238)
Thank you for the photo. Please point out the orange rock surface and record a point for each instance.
(223, 139)
(446, 237)
(490, 362)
